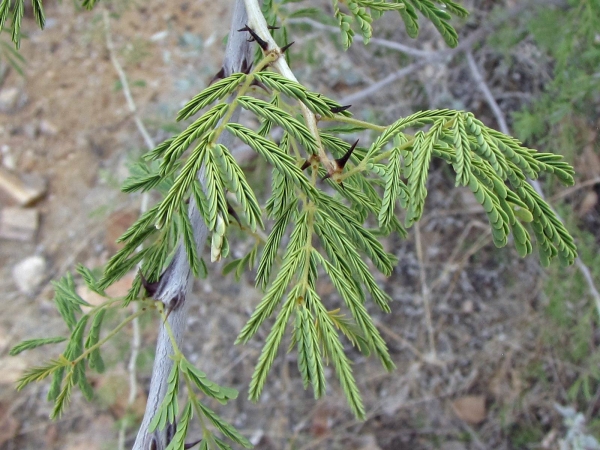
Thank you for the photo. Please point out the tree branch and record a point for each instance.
(176, 281)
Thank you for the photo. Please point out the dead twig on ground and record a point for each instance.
(425, 295)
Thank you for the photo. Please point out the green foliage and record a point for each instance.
(563, 115)
(34, 343)
(318, 216)
(363, 12)
(11, 56)
(168, 412)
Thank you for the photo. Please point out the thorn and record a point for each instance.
(151, 288)
(191, 444)
(234, 214)
(326, 176)
(176, 301)
(260, 84)
(285, 47)
(218, 76)
(246, 68)
(306, 164)
(341, 162)
(339, 109)
(170, 431)
(272, 27)
(263, 44)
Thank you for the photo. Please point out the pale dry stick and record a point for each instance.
(176, 281)
(499, 115)
(444, 56)
(425, 295)
(379, 85)
(377, 41)
(126, 91)
(472, 433)
(136, 339)
(256, 21)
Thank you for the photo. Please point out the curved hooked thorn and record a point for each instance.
(285, 47)
(255, 37)
(232, 212)
(339, 109)
(306, 164)
(246, 67)
(341, 162)
(191, 444)
(151, 288)
(218, 76)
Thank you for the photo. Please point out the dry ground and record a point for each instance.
(74, 129)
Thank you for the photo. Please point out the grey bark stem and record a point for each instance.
(176, 282)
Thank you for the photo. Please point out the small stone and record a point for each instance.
(8, 160)
(470, 408)
(11, 369)
(367, 442)
(11, 99)
(24, 189)
(20, 224)
(48, 128)
(29, 274)
(468, 307)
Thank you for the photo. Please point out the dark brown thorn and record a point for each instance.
(342, 185)
(175, 303)
(306, 164)
(339, 109)
(272, 27)
(341, 162)
(218, 76)
(151, 288)
(326, 176)
(170, 431)
(285, 47)
(260, 84)
(263, 44)
(246, 67)
(234, 214)
(191, 444)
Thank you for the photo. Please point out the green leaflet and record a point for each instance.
(235, 181)
(460, 140)
(335, 349)
(212, 93)
(273, 114)
(267, 356)
(34, 343)
(272, 245)
(167, 412)
(291, 262)
(392, 188)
